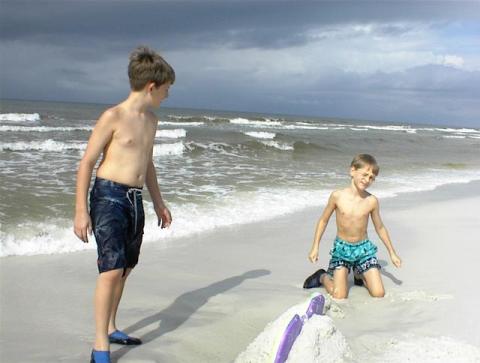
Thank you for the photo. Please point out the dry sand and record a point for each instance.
(206, 297)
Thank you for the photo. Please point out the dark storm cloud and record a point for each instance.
(268, 56)
(204, 23)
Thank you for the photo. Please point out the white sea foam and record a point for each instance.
(357, 129)
(305, 127)
(209, 118)
(181, 123)
(423, 182)
(168, 149)
(178, 117)
(263, 204)
(171, 134)
(229, 210)
(408, 129)
(463, 130)
(260, 134)
(319, 340)
(44, 128)
(220, 147)
(255, 123)
(20, 117)
(338, 125)
(278, 145)
(47, 145)
(454, 136)
(52, 237)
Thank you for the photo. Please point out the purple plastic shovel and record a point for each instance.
(294, 328)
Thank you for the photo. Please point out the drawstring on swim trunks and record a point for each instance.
(134, 205)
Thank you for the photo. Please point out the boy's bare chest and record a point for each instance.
(353, 209)
(134, 135)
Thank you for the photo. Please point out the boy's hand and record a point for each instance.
(313, 255)
(82, 226)
(164, 216)
(396, 260)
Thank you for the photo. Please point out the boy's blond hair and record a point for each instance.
(146, 66)
(362, 160)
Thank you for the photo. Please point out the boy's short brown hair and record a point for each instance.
(362, 160)
(146, 66)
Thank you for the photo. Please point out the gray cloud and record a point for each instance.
(181, 24)
(363, 59)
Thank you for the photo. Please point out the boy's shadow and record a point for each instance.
(388, 274)
(182, 308)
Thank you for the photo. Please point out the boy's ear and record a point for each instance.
(352, 169)
(150, 86)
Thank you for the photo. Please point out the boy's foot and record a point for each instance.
(119, 337)
(99, 356)
(357, 280)
(314, 280)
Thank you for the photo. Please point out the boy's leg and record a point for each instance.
(373, 282)
(117, 296)
(107, 283)
(338, 286)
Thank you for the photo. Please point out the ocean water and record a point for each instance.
(215, 168)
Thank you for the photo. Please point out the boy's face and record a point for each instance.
(159, 93)
(362, 177)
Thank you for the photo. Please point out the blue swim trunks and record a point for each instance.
(361, 256)
(118, 219)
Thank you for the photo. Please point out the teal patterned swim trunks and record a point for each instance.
(361, 256)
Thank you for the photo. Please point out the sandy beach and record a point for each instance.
(206, 297)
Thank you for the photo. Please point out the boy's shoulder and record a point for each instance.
(371, 199)
(121, 111)
(111, 113)
(340, 192)
(107, 120)
(347, 192)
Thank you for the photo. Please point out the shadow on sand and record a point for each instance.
(388, 274)
(183, 308)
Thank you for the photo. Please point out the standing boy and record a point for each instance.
(125, 135)
(352, 248)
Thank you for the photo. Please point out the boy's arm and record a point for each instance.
(161, 210)
(383, 233)
(321, 225)
(101, 135)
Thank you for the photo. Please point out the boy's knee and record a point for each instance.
(377, 293)
(339, 294)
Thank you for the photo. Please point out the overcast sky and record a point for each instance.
(404, 61)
